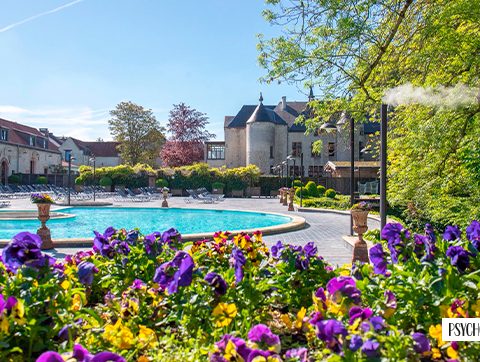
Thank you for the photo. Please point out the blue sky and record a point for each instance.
(67, 68)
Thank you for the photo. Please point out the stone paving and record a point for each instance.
(325, 228)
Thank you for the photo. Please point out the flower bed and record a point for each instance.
(158, 298)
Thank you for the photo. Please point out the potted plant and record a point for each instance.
(359, 214)
(43, 202)
(217, 188)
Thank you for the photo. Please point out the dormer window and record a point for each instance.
(31, 140)
(3, 134)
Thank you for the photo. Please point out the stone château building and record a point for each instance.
(265, 135)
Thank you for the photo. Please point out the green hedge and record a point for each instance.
(14, 179)
(340, 202)
(161, 183)
(331, 193)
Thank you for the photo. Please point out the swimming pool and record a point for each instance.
(187, 221)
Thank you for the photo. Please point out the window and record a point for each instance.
(331, 149)
(31, 141)
(215, 151)
(296, 149)
(3, 134)
(295, 169)
(271, 151)
(32, 166)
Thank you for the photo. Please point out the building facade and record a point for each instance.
(106, 153)
(25, 150)
(265, 135)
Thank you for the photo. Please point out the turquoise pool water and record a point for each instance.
(187, 221)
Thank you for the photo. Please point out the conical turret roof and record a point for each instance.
(264, 114)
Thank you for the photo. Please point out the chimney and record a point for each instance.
(45, 132)
(284, 103)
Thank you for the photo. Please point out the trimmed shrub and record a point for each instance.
(297, 183)
(42, 180)
(311, 189)
(330, 193)
(218, 185)
(321, 190)
(339, 203)
(14, 179)
(105, 181)
(303, 191)
(161, 183)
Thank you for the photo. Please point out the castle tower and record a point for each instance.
(260, 135)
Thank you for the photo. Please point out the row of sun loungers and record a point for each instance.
(202, 195)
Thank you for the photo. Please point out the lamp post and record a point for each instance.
(68, 158)
(285, 165)
(301, 179)
(330, 126)
(94, 191)
(383, 166)
(290, 157)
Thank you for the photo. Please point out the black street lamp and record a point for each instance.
(285, 165)
(94, 160)
(383, 165)
(301, 179)
(290, 157)
(330, 126)
(68, 158)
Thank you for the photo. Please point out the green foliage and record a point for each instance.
(433, 151)
(301, 191)
(42, 180)
(140, 135)
(218, 185)
(270, 183)
(330, 193)
(321, 190)
(340, 202)
(311, 189)
(297, 183)
(105, 181)
(161, 183)
(14, 179)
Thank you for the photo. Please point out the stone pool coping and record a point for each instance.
(11, 215)
(296, 223)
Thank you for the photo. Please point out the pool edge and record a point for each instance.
(296, 223)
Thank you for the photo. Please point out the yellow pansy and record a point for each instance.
(224, 313)
(65, 284)
(118, 335)
(147, 337)
(143, 359)
(300, 315)
(4, 325)
(286, 320)
(476, 308)
(18, 311)
(452, 353)
(436, 332)
(436, 354)
(231, 353)
(76, 302)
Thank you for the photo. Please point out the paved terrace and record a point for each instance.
(325, 228)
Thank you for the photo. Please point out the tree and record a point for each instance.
(356, 51)
(188, 134)
(138, 132)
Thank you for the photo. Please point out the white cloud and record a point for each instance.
(81, 122)
(33, 17)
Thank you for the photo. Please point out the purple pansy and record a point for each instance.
(370, 348)
(310, 249)
(85, 272)
(175, 273)
(171, 236)
(217, 282)
(262, 335)
(138, 284)
(101, 243)
(238, 261)
(459, 257)
(300, 354)
(239, 344)
(276, 249)
(395, 234)
(452, 233)
(421, 343)
(473, 233)
(50, 356)
(151, 243)
(430, 232)
(378, 259)
(25, 249)
(329, 329)
(355, 343)
(359, 312)
(80, 354)
(257, 354)
(391, 300)
(343, 286)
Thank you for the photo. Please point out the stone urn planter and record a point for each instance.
(165, 195)
(291, 194)
(44, 231)
(285, 196)
(359, 214)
